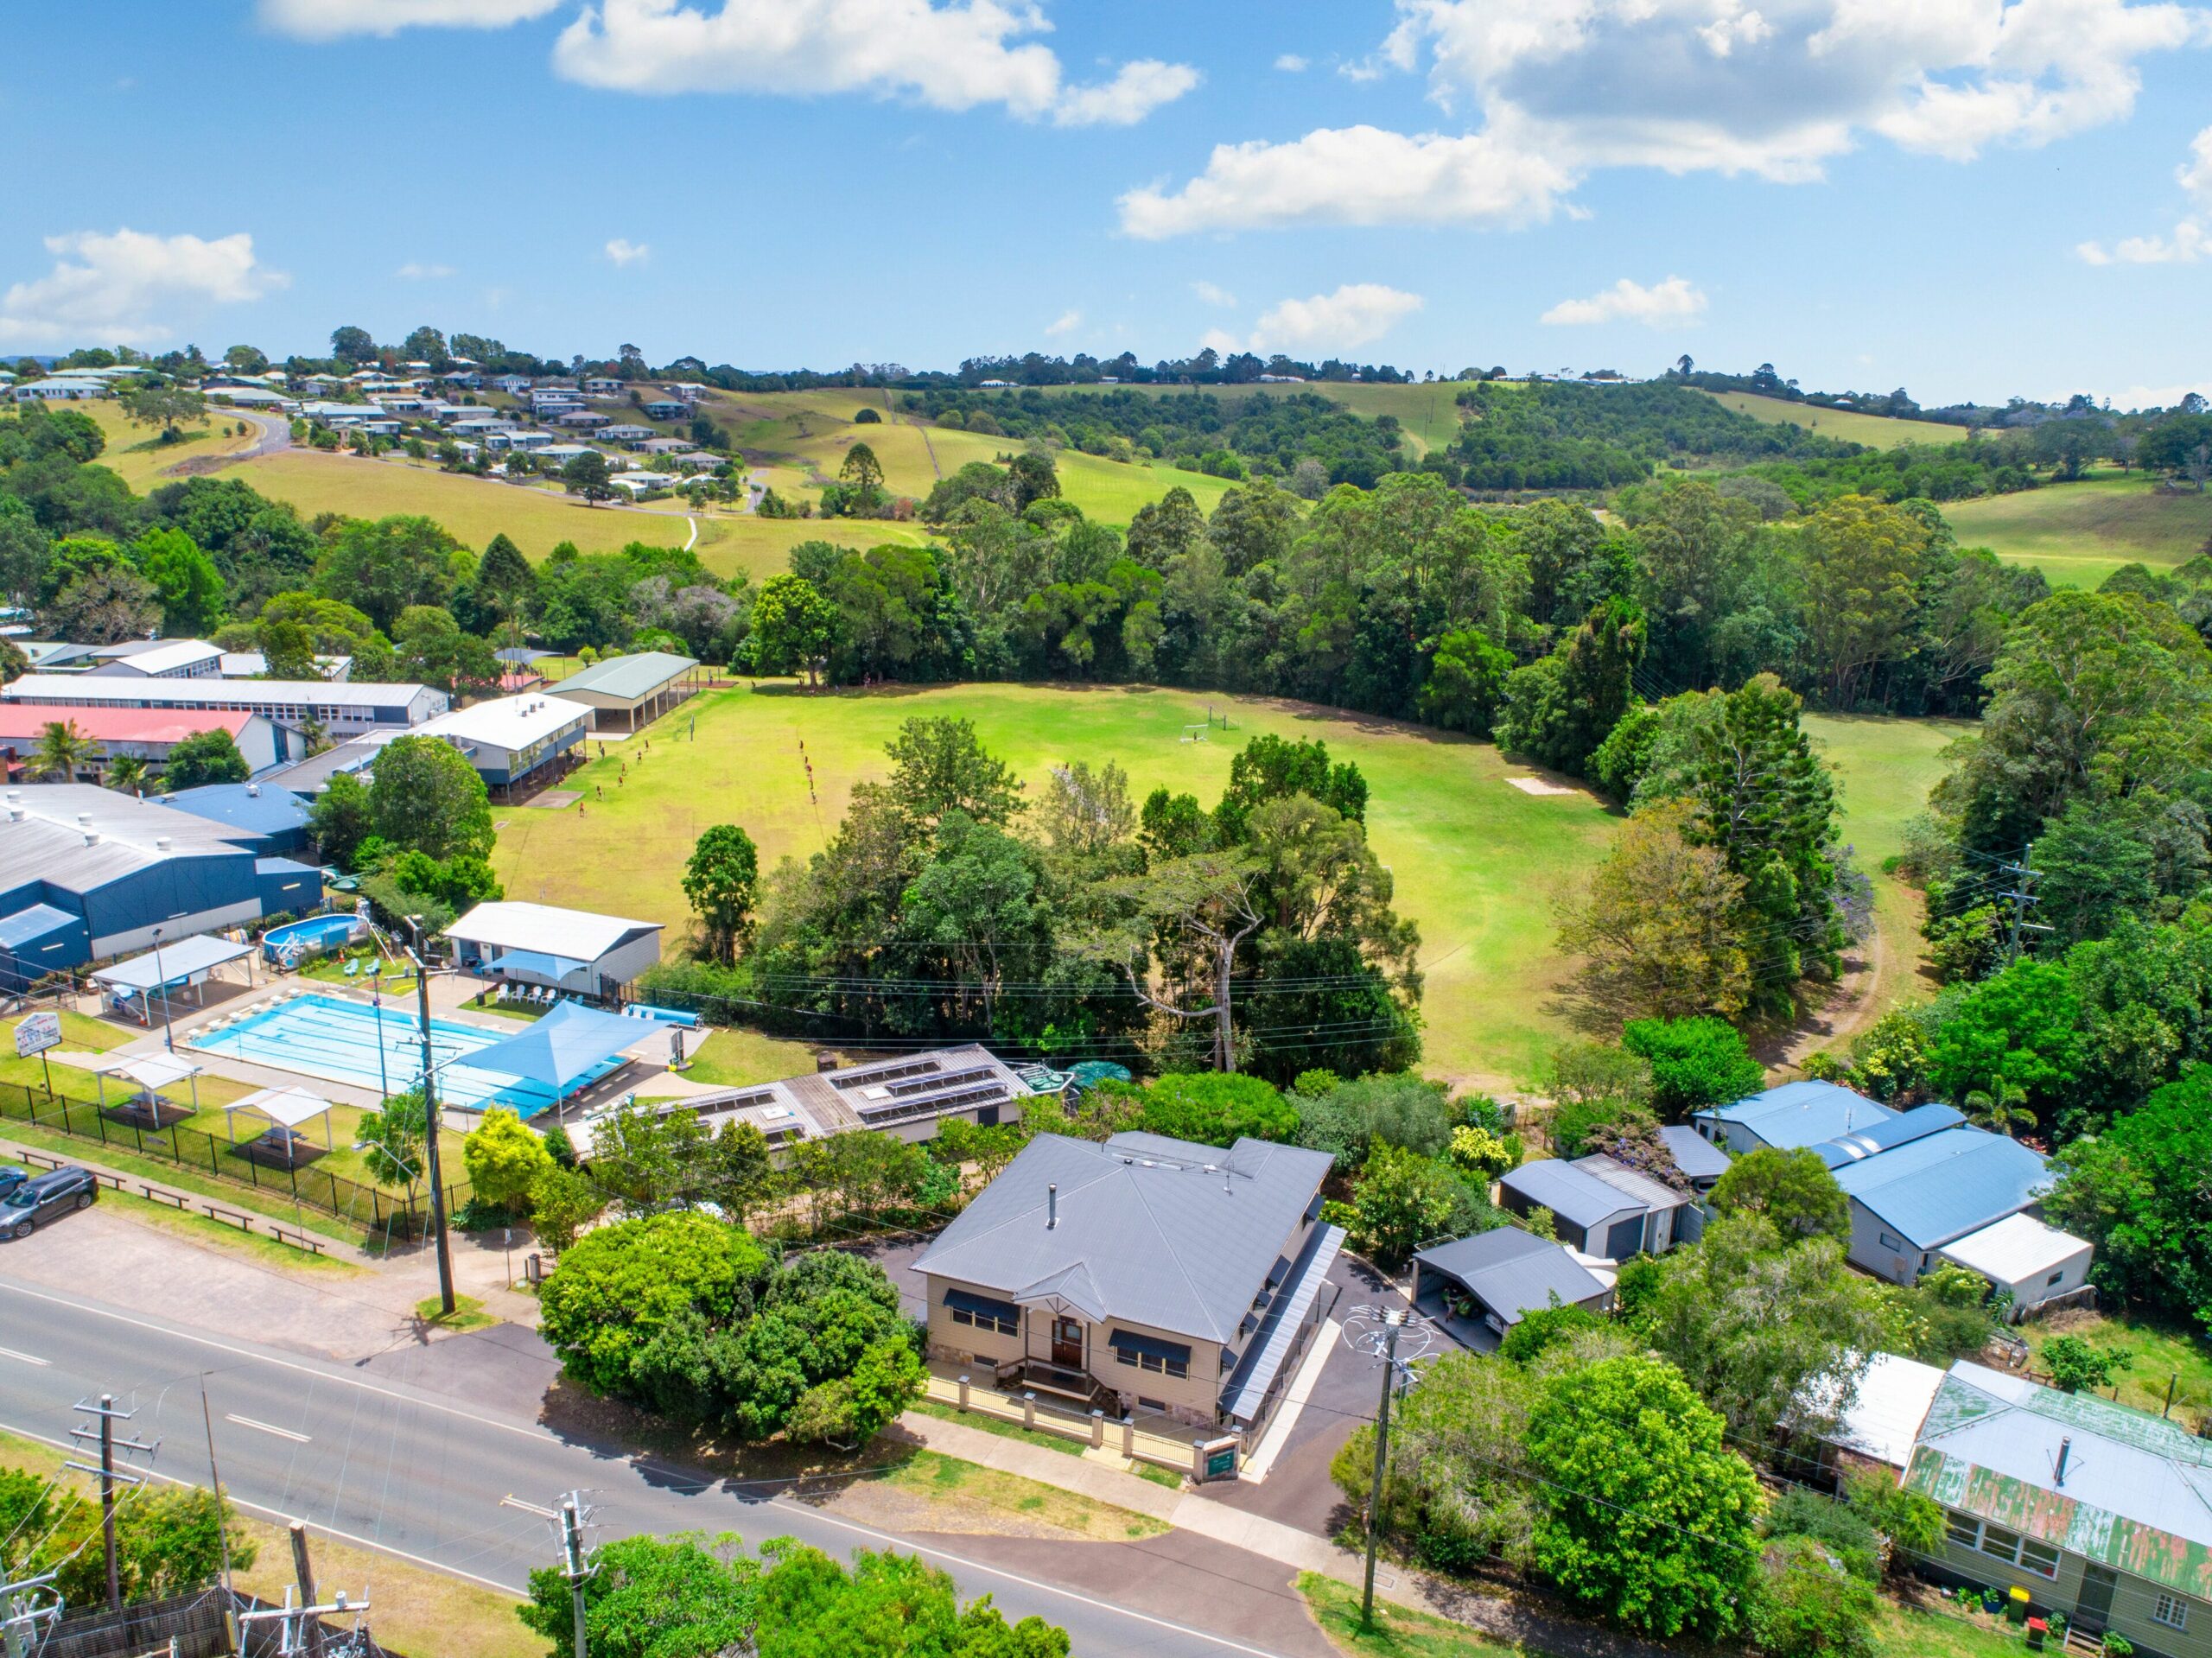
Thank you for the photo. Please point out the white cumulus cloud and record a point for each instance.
(624, 251)
(1549, 91)
(2189, 240)
(1353, 175)
(415, 270)
(956, 55)
(1672, 301)
(1066, 322)
(114, 288)
(330, 20)
(1291, 64)
(1354, 315)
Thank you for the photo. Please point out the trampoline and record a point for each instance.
(338, 1040)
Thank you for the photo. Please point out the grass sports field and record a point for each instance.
(2078, 534)
(1877, 431)
(536, 520)
(1479, 864)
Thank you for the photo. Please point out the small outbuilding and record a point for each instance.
(564, 949)
(1599, 1204)
(2032, 1262)
(1478, 1288)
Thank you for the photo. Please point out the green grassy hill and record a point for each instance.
(1877, 431)
(1480, 865)
(2078, 534)
(1426, 412)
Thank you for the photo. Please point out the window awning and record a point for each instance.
(1175, 1352)
(982, 1306)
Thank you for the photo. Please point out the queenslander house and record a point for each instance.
(1144, 1274)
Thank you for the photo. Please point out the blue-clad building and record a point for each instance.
(1793, 1115)
(87, 873)
(275, 819)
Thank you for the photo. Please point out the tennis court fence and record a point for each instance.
(228, 1161)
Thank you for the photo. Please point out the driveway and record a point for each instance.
(1298, 1490)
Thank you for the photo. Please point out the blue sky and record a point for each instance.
(1970, 198)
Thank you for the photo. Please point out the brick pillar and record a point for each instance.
(1129, 1436)
(963, 1393)
(1029, 1409)
(1097, 1429)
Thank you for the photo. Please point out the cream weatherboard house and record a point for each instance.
(1144, 1274)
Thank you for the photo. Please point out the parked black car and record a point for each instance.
(43, 1197)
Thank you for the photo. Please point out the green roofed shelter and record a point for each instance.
(627, 694)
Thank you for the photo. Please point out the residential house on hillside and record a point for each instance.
(514, 384)
(603, 385)
(1599, 1204)
(1142, 1273)
(1478, 1288)
(2098, 1511)
(665, 409)
(627, 433)
(1794, 1114)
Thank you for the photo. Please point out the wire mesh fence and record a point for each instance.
(233, 1163)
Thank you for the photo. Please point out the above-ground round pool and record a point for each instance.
(312, 937)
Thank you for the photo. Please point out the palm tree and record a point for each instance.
(63, 751)
(2004, 1109)
(128, 774)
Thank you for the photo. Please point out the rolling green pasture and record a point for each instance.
(2078, 534)
(1877, 431)
(1428, 412)
(538, 519)
(799, 437)
(135, 455)
(1479, 865)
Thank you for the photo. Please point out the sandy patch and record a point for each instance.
(1538, 786)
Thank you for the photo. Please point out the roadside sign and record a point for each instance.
(37, 1034)
(1221, 1461)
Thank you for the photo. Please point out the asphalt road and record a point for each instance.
(382, 1462)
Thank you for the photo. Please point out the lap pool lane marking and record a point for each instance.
(893, 1541)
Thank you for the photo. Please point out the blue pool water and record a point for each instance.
(337, 1040)
(317, 932)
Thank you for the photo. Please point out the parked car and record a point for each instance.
(10, 1178)
(44, 1197)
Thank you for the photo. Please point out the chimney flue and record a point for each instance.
(2065, 1449)
(1052, 1205)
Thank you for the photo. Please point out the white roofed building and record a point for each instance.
(2032, 1262)
(513, 740)
(343, 710)
(567, 949)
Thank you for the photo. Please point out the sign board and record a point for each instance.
(37, 1034)
(1221, 1461)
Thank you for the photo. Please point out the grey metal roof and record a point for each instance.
(1698, 1157)
(1948, 1184)
(1632, 1184)
(118, 834)
(628, 677)
(1160, 1232)
(1512, 1272)
(1572, 1194)
(1803, 1114)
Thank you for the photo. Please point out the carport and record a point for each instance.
(187, 962)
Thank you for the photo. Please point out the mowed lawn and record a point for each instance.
(1877, 431)
(2078, 534)
(1479, 865)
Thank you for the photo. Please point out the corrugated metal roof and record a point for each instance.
(1803, 1113)
(2019, 1247)
(1915, 1124)
(1169, 1234)
(1632, 1184)
(1572, 1194)
(26, 926)
(2138, 1492)
(1698, 1157)
(628, 677)
(1958, 1181)
(1512, 1272)
(216, 693)
(254, 808)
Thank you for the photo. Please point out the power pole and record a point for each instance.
(20, 1614)
(573, 1567)
(430, 1122)
(1393, 1322)
(108, 1416)
(302, 1624)
(304, 1570)
(2022, 897)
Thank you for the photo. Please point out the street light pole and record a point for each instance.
(430, 1122)
(1393, 1322)
(375, 1002)
(169, 1031)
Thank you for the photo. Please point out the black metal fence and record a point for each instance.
(228, 1161)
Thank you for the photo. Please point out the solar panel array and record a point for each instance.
(881, 1113)
(875, 1074)
(951, 1079)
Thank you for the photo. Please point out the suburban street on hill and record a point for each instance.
(429, 1476)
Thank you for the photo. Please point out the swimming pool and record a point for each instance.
(307, 937)
(337, 1040)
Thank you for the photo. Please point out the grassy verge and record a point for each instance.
(1398, 1633)
(218, 1235)
(2156, 1353)
(182, 1179)
(467, 1313)
(1005, 1429)
(418, 1612)
(942, 1478)
(1910, 1632)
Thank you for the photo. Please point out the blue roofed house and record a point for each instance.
(1144, 1273)
(1793, 1114)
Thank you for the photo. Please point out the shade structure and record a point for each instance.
(178, 963)
(286, 1109)
(152, 1072)
(562, 1049)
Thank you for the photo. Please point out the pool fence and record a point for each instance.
(370, 1207)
